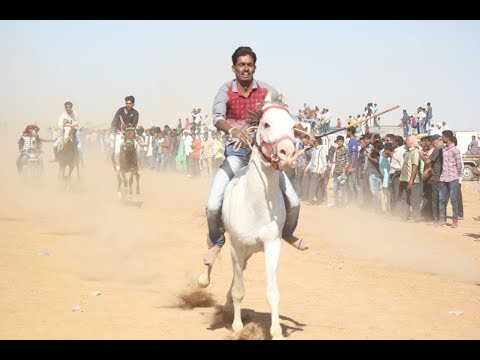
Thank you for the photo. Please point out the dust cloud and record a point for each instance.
(59, 246)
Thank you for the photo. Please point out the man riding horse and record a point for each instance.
(69, 116)
(125, 117)
(232, 107)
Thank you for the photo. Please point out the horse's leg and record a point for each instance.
(130, 182)
(119, 182)
(124, 179)
(272, 254)
(69, 178)
(137, 177)
(78, 170)
(238, 289)
(228, 307)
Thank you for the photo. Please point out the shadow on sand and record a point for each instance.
(223, 319)
(475, 237)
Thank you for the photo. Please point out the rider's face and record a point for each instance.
(129, 105)
(68, 109)
(244, 68)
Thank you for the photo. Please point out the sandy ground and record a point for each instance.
(364, 277)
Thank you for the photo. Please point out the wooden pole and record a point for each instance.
(361, 121)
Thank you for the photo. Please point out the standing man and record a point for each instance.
(409, 192)
(315, 170)
(352, 170)
(429, 116)
(339, 172)
(231, 110)
(405, 123)
(451, 170)
(125, 117)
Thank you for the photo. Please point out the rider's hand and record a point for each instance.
(241, 134)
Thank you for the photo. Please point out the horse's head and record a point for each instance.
(129, 139)
(68, 133)
(275, 136)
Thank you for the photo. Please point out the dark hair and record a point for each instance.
(427, 138)
(352, 129)
(131, 98)
(455, 142)
(68, 103)
(340, 137)
(378, 145)
(242, 51)
(388, 146)
(428, 104)
(448, 134)
(399, 140)
(391, 136)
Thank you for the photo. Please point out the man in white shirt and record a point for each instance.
(316, 170)
(69, 116)
(187, 143)
(421, 116)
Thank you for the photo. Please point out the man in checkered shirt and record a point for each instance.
(231, 110)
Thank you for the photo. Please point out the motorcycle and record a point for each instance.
(32, 163)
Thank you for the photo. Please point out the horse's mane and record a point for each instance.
(256, 115)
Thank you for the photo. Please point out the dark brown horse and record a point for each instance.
(68, 155)
(128, 163)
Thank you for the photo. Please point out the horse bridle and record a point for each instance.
(129, 143)
(269, 150)
(70, 136)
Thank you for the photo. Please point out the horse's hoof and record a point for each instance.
(276, 333)
(237, 326)
(203, 280)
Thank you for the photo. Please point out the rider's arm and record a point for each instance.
(136, 115)
(219, 113)
(60, 122)
(115, 120)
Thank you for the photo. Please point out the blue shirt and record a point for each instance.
(353, 147)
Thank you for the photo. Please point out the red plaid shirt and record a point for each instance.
(231, 106)
(452, 164)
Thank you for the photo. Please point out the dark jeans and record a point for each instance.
(435, 199)
(409, 198)
(352, 187)
(459, 199)
(394, 193)
(316, 188)
(448, 189)
(299, 183)
(426, 210)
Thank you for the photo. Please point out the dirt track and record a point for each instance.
(364, 277)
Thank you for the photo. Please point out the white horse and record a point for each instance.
(253, 210)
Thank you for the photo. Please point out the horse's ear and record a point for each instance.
(268, 97)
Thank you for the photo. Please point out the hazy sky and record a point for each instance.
(173, 66)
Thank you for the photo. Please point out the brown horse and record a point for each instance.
(128, 163)
(68, 155)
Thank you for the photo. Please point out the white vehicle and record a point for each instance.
(464, 138)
